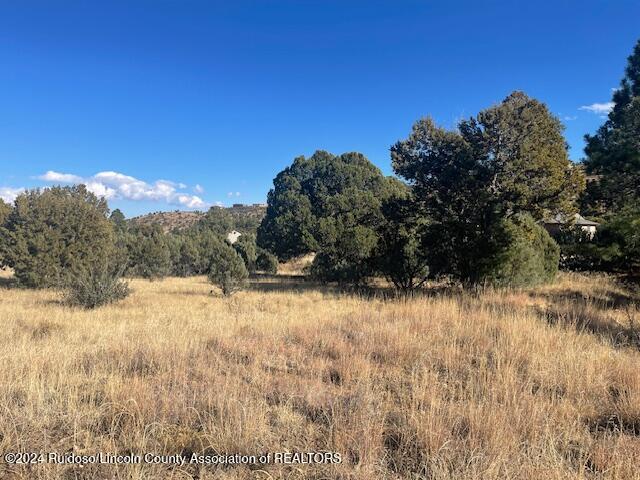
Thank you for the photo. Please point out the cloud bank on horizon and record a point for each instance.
(114, 185)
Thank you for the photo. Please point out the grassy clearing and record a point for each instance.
(538, 383)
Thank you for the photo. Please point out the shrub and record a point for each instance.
(267, 262)
(523, 254)
(577, 250)
(246, 248)
(95, 286)
(227, 270)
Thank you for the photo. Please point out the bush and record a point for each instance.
(267, 262)
(523, 254)
(226, 269)
(95, 286)
(577, 250)
(246, 248)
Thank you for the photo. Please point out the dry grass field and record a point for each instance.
(534, 384)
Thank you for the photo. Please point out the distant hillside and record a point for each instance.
(246, 217)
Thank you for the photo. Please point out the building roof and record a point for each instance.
(577, 219)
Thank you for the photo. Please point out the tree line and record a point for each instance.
(466, 203)
(469, 203)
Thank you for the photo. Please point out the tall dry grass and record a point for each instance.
(528, 384)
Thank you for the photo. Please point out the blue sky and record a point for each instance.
(164, 105)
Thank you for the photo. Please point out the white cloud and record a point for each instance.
(569, 118)
(9, 194)
(52, 176)
(198, 188)
(237, 194)
(599, 108)
(115, 185)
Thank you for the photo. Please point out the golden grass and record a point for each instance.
(494, 385)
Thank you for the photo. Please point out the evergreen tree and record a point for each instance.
(613, 153)
(510, 159)
(266, 262)
(246, 248)
(226, 269)
(118, 220)
(401, 255)
(51, 232)
(5, 209)
(330, 205)
(149, 253)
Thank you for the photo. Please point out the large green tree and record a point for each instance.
(5, 210)
(52, 232)
(330, 205)
(510, 159)
(613, 153)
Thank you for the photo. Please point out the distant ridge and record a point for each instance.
(181, 220)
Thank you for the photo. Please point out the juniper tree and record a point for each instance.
(54, 231)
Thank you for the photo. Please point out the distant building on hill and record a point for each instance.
(233, 236)
(553, 225)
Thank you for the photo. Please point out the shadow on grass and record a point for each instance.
(589, 318)
(8, 282)
(303, 284)
(605, 299)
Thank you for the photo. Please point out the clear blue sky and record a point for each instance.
(223, 95)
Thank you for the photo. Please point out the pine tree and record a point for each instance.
(613, 153)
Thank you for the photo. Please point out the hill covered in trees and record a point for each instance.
(246, 216)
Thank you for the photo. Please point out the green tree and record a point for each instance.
(118, 220)
(5, 210)
(218, 221)
(330, 205)
(613, 153)
(54, 231)
(288, 226)
(401, 255)
(188, 259)
(617, 242)
(226, 269)
(266, 262)
(509, 159)
(149, 253)
(246, 248)
(522, 254)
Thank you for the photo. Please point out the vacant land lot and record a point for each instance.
(534, 384)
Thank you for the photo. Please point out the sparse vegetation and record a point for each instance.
(486, 365)
(539, 383)
(96, 286)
